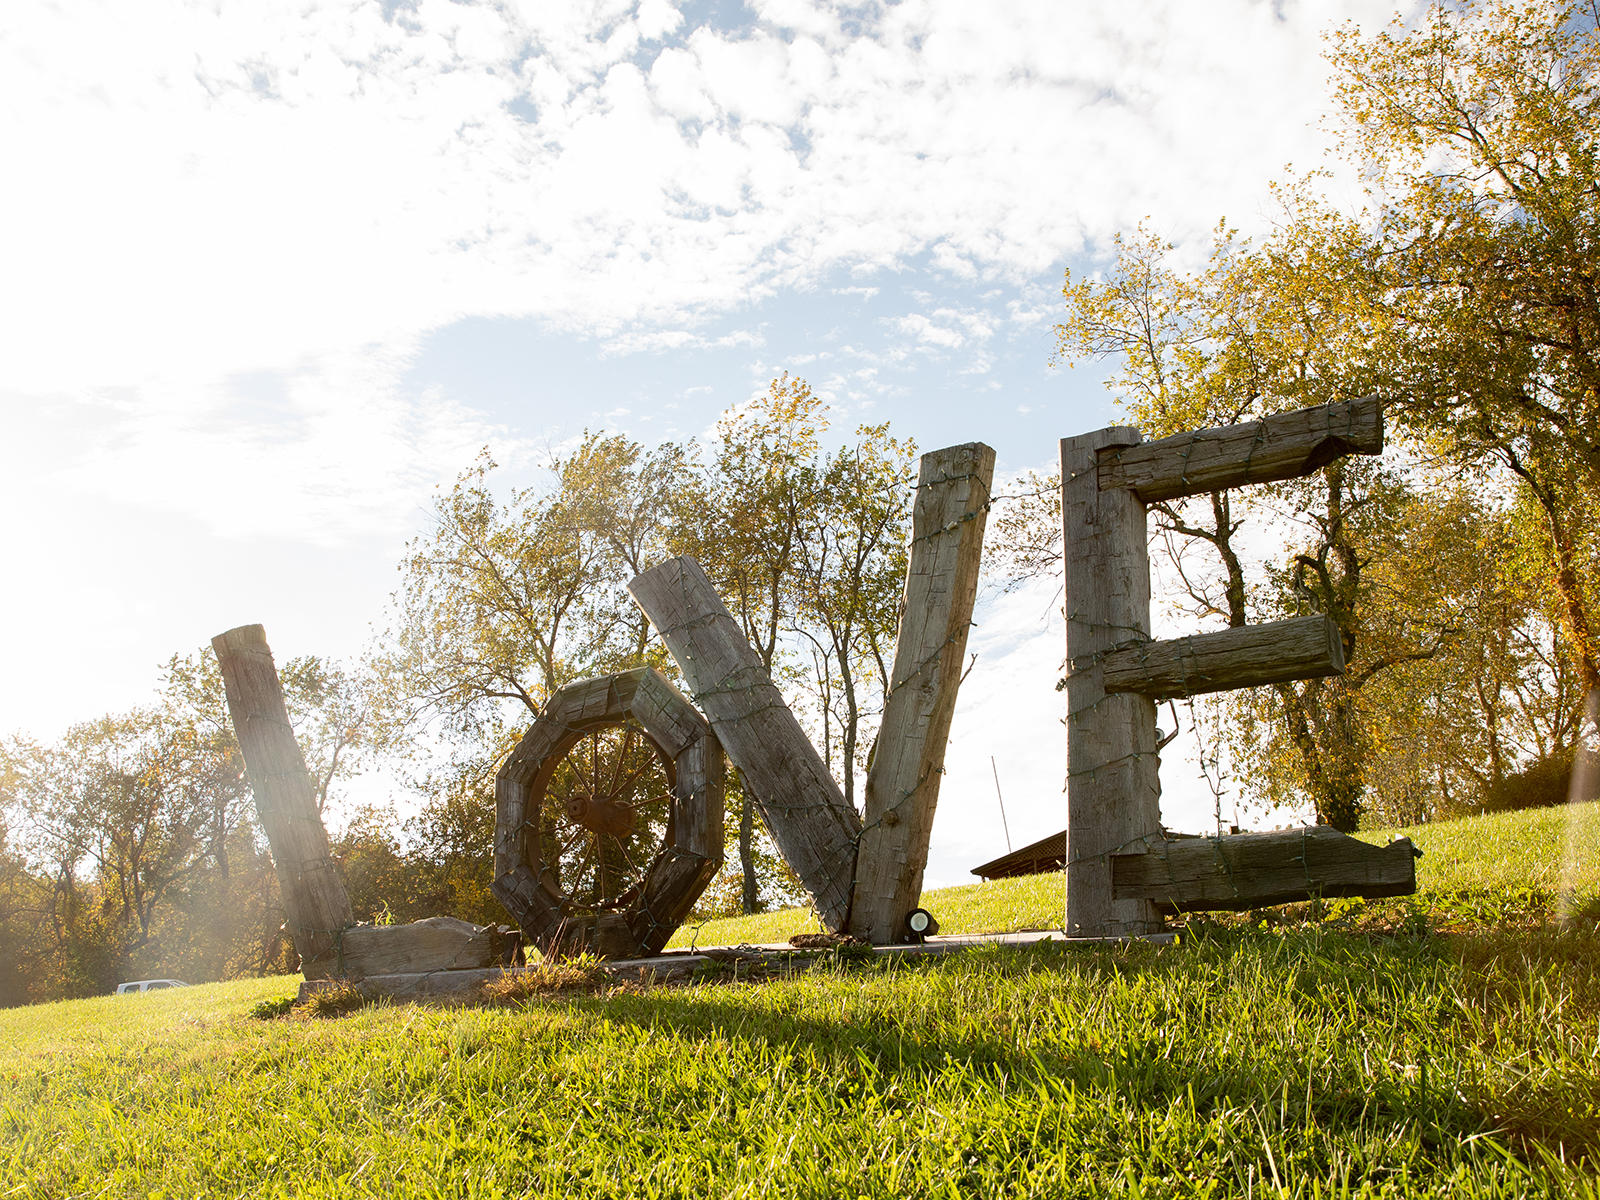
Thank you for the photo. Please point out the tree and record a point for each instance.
(504, 601)
(1466, 296)
(492, 607)
(759, 485)
(1452, 732)
(851, 578)
(136, 838)
(1481, 130)
(808, 548)
(116, 814)
(637, 502)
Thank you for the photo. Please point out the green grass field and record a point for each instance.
(1546, 850)
(1446, 1044)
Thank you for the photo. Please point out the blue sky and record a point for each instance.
(272, 272)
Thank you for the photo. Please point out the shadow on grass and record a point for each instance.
(1169, 1051)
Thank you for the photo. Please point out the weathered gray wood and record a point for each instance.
(1299, 648)
(947, 527)
(1113, 790)
(1285, 446)
(814, 828)
(433, 944)
(314, 899)
(1252, 870)
(525, 881)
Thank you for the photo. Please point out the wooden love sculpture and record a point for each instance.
(609, 812)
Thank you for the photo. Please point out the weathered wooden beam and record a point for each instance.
(1113, 792)
(802, 806)
(1285, 446)
(432, 944)
(1299, 648)
(314, 899)
(947, 525)
(1253, 870)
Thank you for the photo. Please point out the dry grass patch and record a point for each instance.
(582, 975)
(338, 999)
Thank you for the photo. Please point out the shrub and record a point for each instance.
(1543, 783)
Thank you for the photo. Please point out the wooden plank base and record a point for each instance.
(434, 944)
(681, 966)
(1255, 870)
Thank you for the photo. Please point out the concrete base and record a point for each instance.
(675, 966)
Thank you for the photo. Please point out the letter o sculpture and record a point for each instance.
(527, 870)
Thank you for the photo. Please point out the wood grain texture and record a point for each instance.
(947, 527)
(802, 806)
(313, 894)
(1253, 870)
(1285, 446)
(1113, 790)
(433, 944)
(1299, 648)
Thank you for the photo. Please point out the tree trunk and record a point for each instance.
(750, 890)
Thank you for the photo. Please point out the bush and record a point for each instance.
(1543, 783)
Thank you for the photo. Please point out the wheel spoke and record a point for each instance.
(621, 760)
(632, 865)
(649, 761)
(606, 778)
(578, 868)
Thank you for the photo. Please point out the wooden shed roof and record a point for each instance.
(1047, 854)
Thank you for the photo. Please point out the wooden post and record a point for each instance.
(903, 783)
(799, 801)
(313, 895)
(1113, 789)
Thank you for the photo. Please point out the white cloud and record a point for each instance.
(647, 341)
(325, 453)
(245, 186)
(658, 18)
(926, 331)
(950, 329)
(228, 226)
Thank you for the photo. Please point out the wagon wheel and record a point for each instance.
(608, 816)
(605, 813)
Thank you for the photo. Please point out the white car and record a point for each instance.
(148, 985)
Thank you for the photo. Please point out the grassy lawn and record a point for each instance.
(1545, 850)
(1443, 1045)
